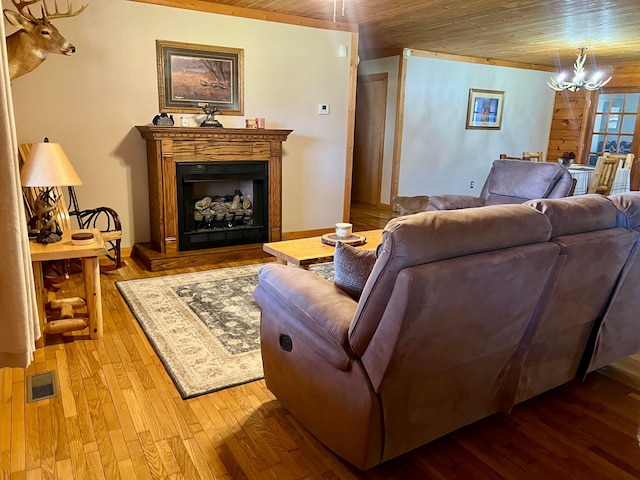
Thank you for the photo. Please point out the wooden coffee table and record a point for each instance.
(306, 251)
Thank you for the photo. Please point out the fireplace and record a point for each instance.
(222, 204)
(217, 162)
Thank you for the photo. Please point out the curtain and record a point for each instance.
(19, 326)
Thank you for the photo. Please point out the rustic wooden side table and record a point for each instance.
(64, 250)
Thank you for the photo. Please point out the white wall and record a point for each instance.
(390, 66)
(90, 103)
(438, 154)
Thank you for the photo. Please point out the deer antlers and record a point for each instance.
(66, 14)
(22, 5)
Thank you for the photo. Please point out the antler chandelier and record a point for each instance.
(579, 80)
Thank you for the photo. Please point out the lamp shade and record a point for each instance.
(48, 166)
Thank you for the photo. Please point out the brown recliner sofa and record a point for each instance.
(451, 326)
(512, 181)
(616, 336)
(377, 378)
(593, 251)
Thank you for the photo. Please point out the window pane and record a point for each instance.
(632, 102)
(614, 123)
(597, 143)
(611, 144)
(593, 159)
(603, 102)
(628, 124)
(617, 102)
(625, 144)
(600, 125)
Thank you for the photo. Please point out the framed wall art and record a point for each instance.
(190, 76)
(485, 109)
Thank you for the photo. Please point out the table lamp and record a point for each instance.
(48, 167)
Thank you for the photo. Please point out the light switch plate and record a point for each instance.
(323, 109)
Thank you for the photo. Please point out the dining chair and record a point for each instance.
(504, 156)
(625, 159)
(603, 175)
(533, 156)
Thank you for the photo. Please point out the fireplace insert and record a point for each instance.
(222, 204)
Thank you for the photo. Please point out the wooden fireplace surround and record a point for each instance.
(168, 145)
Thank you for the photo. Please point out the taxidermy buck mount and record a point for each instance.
(36, 38)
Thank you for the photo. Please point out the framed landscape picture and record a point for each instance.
(485, 109)
(190, 76)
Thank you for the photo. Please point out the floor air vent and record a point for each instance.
(41, 386)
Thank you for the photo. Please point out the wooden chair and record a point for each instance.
(104, 219)
(504, 156)
(603, 175)
(533, 156)
(625, 159)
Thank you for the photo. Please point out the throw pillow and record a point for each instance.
(352, 267)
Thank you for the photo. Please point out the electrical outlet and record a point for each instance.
(323, 109)
(472, 184)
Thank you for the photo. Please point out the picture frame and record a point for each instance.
(191, 75)
(484, 110)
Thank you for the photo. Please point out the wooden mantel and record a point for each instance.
(168, 145)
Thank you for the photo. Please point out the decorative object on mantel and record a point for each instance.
(579, 80)
(211, 110)
(191, 75)
(354, 240)
(36, 37)
(46, 167)
(163, 120)
(567, 159)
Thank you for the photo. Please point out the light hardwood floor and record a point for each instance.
(119, 416)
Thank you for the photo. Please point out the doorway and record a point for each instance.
(371, 107)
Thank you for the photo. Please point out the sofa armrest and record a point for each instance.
(308, 308)
(454, 202)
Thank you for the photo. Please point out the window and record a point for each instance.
(614, 124)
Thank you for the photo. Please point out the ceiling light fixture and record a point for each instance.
(335, 8)
(579, 81)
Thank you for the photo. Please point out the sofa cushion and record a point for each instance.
(579, 214)
(522, 179)
(352, 267)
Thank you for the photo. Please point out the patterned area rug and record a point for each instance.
(204, 326)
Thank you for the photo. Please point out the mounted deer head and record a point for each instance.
(36, 38)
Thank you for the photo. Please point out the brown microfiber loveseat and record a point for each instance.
(448, 328)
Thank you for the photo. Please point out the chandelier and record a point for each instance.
(579, 80)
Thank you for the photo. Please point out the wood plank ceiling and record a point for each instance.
(542, 32)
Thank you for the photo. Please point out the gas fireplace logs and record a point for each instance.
(223, 211)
